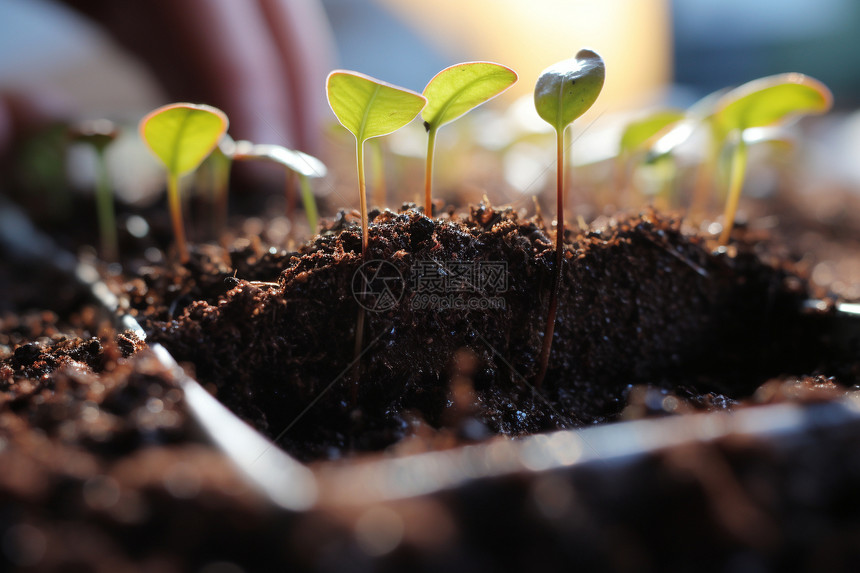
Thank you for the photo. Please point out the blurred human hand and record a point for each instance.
(263, 62)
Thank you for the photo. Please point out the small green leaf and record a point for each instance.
(768, 101)
(368, 107)
(182, 134)
(566, 90)
(462, 87)
(642, 132)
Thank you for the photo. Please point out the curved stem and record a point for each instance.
(736, 184)
(428, 174)
(362, 195)
(559, 258)
(175, 204)
(105, 208)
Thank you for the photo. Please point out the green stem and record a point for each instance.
(175, 202)
(105, 208)
(309, 203)
(559, 258)
(362, 194)
(428, 174)
(736, 184)
(220, 173)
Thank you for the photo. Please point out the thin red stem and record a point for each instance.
(559, 258)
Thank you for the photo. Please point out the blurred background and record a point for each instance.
(658, 53)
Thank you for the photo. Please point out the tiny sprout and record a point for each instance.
(216, 172)
(761, 103)
(564, 91)
(182, 135)
(99, 134)
(369, 108)
(639, 137)
(450, 94)
(306, 166)
(699, 114)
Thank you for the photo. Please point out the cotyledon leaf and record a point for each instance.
(462, 87)
(181, 135)
(368, 107)
(566, 90)
(770, 100)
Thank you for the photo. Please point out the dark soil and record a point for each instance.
(104, 470)
(641, 303)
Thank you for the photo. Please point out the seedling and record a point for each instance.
(638, 137)
(564, 91)
(181, 135)
(369, 108)
(216, 169)
(99, 134)
(450, 94)
(304, 165)
(761, 103)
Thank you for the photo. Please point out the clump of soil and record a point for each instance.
(640, 302)
(36, 362)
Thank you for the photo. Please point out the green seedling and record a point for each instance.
(564, 91)
(761, 103)
(100, 133)
(700, 114)
(182, 135)
(369, 108)
(215, 171)
(306, 166)
(638, 138)
(450, 94)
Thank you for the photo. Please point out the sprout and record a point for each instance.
(761, 103)
(216, 169)
(305, 166)
(564, 91)
(99, 134)
(369, 108)
(181, 135)
(639, 136)
(453, 92)
(700, 113)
